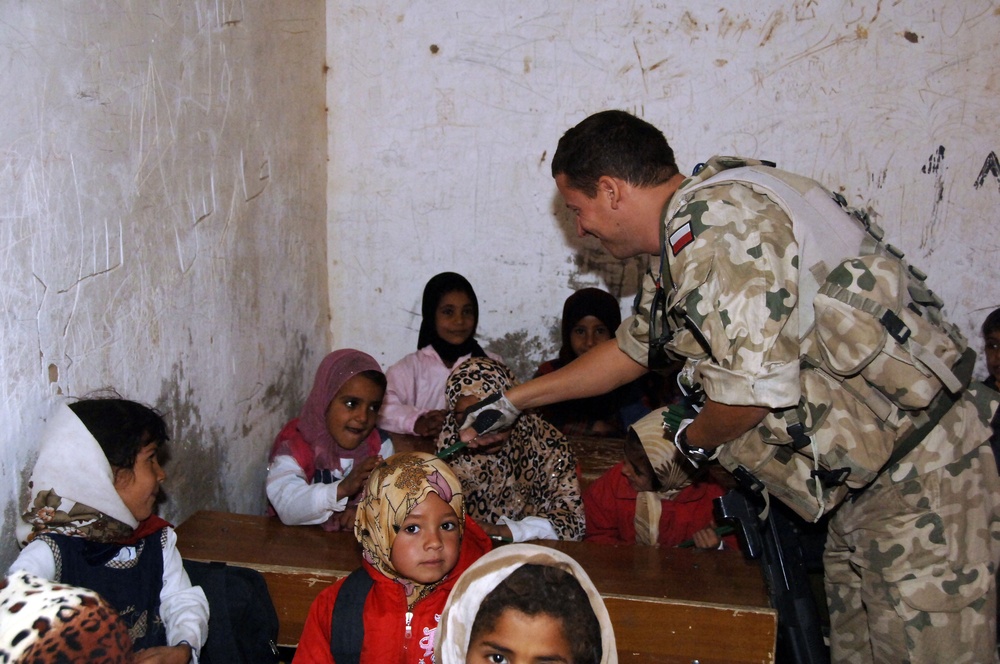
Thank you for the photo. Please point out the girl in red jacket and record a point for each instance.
(417, 540)
(654, 496)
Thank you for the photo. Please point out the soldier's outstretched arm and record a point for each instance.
(600, 370)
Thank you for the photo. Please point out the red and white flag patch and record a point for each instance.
(681, 238)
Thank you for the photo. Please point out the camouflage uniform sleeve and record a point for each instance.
(736, 284)
(633, 334)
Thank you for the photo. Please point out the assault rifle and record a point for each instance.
(772, 539)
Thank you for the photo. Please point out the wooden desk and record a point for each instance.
(667, 605)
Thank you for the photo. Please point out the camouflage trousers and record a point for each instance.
(911, 565)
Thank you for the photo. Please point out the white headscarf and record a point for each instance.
(486, 574)
(72, 486)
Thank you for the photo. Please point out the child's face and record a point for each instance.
(139, 485)
(993, 354)
(428, 543)
(351, 415)
(455, 317)
(587, 333)
(637, 469)
(518, 638)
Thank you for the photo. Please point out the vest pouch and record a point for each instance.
(841, 444)
(867, 323)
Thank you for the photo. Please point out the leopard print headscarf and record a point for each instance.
(46, 621)
(532, 474)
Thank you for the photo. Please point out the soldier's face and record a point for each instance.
(596, 218)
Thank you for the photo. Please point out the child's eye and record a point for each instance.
(375, 407)
(496, 658)
(449, 526)
(412, 529)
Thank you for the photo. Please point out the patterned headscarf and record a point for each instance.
(532, 473)
(394, 488)
(672, 474)
(72, 486)
(336, 369)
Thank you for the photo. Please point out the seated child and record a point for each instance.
(417, 540)
(526, 603)
(524, 487)
(991, 341)
(414, 398)
(654, 496)
(321, 460)
(42, 621)
(90, 523)
(591, 316)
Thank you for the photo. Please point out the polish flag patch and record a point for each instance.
(681, 238)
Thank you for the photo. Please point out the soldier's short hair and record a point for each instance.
(616, 144)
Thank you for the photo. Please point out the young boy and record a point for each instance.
(526, 603)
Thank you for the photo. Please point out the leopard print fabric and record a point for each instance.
(532, 474)
(51, 623)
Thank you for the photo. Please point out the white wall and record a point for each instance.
(162, 204)
(445, 114)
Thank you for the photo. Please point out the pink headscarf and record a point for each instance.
(336, 369)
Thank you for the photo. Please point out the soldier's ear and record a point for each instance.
(611, 189)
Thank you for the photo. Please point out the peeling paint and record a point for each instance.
(521, 350)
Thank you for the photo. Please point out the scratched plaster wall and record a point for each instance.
(445, 114)
(162, 205)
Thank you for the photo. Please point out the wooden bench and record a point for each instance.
(667, 605)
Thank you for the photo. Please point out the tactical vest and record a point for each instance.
(879, 364)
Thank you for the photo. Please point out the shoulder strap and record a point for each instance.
(347, 628)
(824, 230)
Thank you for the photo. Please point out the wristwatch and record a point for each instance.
(696, 455)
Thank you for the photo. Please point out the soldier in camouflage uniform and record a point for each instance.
(910, 565)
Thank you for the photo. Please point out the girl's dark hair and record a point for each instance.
(992, 322)
(437, 287)
(542, 589)
(121, 427)
(376, 377)
(595, 302)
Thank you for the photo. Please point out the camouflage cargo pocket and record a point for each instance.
(843, 445)
(867, 323)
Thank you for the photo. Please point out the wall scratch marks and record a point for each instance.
(933, 167)
(990, 167)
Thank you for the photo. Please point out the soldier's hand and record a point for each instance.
(492, 415)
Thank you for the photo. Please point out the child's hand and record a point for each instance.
(429, 424)
(165, 655)
(347, 517)
(356, 479)
(706, 538)
(500, 531)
